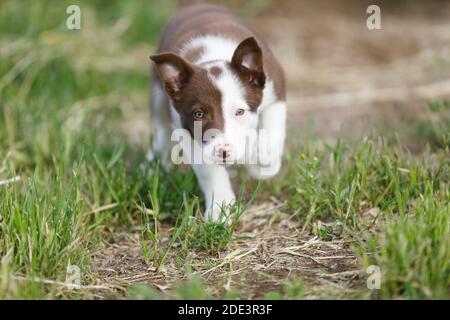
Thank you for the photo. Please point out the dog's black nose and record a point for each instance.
(223, 151)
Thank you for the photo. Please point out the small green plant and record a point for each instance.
(157, 252)
(190, 230)
(192, 288)
(143, 292)
(293, 290)
(214, 236)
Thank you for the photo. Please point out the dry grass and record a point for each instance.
(272, 251)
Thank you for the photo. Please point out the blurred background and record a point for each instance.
(342, 77)
(345, 78)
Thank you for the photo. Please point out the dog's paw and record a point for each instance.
(263, 172)
(220, 209)
(267, 165)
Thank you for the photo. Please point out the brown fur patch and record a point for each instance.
(216, 71)
(253, 94)
(203, 19)
(175, 72)
(193, 54)
(201, 93)
(252, 76)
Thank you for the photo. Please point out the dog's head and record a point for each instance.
(222, 96)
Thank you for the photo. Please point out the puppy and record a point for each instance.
(217, 81)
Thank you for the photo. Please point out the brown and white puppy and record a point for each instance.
(215, 73)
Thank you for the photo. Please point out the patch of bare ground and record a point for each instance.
(265, 254)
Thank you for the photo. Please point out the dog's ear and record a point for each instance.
(248, 61)
(174, 71)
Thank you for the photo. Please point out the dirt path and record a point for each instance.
(272, 253)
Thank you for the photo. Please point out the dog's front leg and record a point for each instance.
(268, 150)
(215, 184)
(161, 127)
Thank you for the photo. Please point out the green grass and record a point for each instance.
(63, 97)
(191, 230)
(340, 182)
(435, 129)
(69, 101)
(332, 191)
(413, 249)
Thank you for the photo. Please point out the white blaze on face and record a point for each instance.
(239, 122)
(239, 131)
(214, 48)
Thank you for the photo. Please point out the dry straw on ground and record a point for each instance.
(270, 253)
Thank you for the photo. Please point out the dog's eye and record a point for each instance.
(239, 112)
(198, 115)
